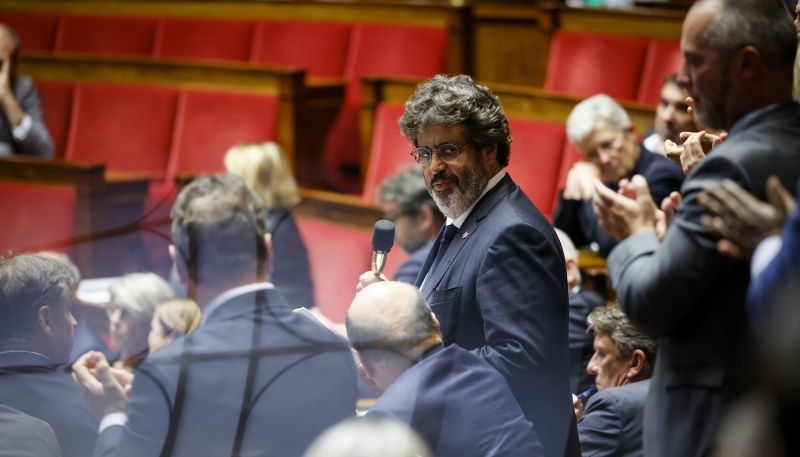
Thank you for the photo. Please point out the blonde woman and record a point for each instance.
(264, 168)
(172, 319)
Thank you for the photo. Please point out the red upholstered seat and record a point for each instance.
(535, 159)
(127, 127)
(386, 50)
(35, 215)
(586, 64)
(206, 39)
(36, 31)
(56, 99)
(319, 47)
(664, 58)
(390, 150)
(129, 36)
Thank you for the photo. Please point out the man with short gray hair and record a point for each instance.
(417, 220)
(457, 402)
(601, 129)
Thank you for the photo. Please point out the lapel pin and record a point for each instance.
(466, 234)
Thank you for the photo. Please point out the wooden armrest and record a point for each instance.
(345, 210)
(36, 170)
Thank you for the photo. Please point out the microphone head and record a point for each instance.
(383, 236)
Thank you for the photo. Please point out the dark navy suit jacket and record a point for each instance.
(460, 405)
(581, 343)
(409, 270)
(290, 268)
(612, 421)
(500, 291)
(577, 218)
(303, 382)
(30, 384)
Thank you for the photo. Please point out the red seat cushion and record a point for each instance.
(319, 47)
(535, 159)
(205, 39)
(390, 151)
(586, 64)
(664, 58)
(36, 31)
(210, 123)
(338, 256)
(56, 99)
(106, 35)
(35, 215)
(127, 127)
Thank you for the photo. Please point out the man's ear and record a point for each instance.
(490, 154)
(46, 316)
(438, 325)
(268, 260)
(180, 265)
(369, 368)
(750, 62)
(638, 360)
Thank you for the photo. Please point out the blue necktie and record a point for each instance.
(447, 237)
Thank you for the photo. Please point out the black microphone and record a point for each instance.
(382, 241)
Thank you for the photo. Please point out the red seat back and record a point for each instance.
(36, 31)
(35, 215)
(319, 47)
(127, 127)
(56, 99)
(664, 58)
(338, 256)
(535, 159)
(205, 39)
(210, 123)
(127, 36)
(586, 64)
(390, 150)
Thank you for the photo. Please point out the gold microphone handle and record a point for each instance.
(378, 262)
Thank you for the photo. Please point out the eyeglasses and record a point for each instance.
(447, 152)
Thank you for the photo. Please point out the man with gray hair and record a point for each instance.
(611, 423)
(739, 56)
(458, 403)
(495, 275)
(601, 129)
(417, 220)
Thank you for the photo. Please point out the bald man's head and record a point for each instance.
(390, 318)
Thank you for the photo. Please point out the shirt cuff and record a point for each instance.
(112, 419)
(766, 250)
(21, 131)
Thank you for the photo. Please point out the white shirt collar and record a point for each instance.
(228, 295)
(459, 221)
(655, 143)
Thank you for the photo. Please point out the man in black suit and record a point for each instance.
(417, 220)
(611, 423)
(581, 302)
(36, 331)
(601, 129)
(452, 398)
(739, 57)
(495, 277)
(254, 378)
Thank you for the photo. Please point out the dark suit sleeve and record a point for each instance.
(600, 428)
(645, 273)
(567, 218)
(291, 269)
(37, 142)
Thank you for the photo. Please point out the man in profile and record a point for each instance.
(456, 401)
(22, 128)
(254, 378)
(36, 332)
(417, 220)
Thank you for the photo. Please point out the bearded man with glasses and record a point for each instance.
(495, 277)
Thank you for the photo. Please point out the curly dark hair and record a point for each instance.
(458, 100)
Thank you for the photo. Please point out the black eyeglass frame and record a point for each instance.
(431, 153)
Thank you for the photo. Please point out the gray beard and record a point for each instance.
(453, 202)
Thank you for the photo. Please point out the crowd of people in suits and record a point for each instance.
(487, 342)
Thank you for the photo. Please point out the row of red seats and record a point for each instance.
(625, 68)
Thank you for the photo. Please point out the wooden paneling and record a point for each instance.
(642, 22)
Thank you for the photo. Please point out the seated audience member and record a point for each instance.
(171, 320)
(672, 118)
(622, 364)
(456, 401)
(264, 168)
(22, 129)
(36, 331)
(417, 220)
(600, 128)
(254, 378)
(382, 437)
(581, 302)
(133, 300)
(24, 436)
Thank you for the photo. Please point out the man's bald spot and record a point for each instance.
(384, 304)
